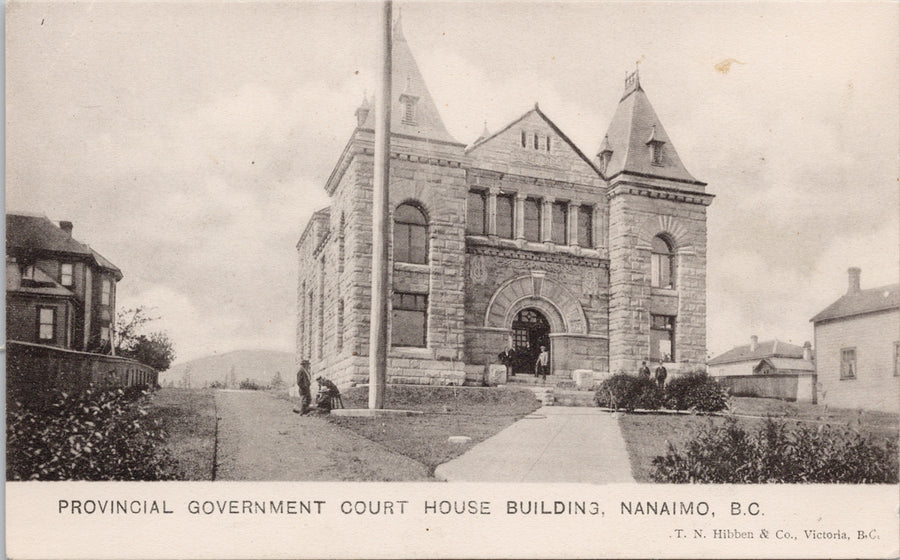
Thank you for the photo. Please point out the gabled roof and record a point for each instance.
(786, 364)
(42, 284)
(862, 301)
(537, 110)
(633, 127)
(406, 80)
(767, 349)
(32, 233)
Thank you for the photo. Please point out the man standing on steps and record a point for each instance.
(542, 366)
(645, 370)
(304, 381)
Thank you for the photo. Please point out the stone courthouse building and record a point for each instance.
(519, 238)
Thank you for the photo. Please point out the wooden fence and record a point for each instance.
(790, 387)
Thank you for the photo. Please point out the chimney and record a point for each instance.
(66, 227)
(754, 343)
(807, 351)
(853, 285)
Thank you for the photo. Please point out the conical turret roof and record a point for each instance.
(634, 127)
(423, 120)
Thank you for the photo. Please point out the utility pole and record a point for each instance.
(378, 342)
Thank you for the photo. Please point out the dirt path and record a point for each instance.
(261, 438)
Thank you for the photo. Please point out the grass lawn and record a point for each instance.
(647, 435)
(448, 411)
(189, 418)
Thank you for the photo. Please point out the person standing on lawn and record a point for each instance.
(661, 374)
(644, 371)
(542, 366)
(304, 382)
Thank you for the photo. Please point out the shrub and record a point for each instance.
(629, 392)
(696, 391)
(730, 454)
(250, 384)
(96, 434)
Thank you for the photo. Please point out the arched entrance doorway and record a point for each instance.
(530, 330)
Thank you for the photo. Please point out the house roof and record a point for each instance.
(30, 233)
(792, 364)
(862, 301)
(407, 81)
(767, 349)
(633, 127)
(537, 110)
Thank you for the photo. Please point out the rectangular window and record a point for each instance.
(848, 363)
(409, 319)
(535, 141)
(662, 338)
(104, 334)
(28, 273)
(46, 323)
(524, 139)
(558, 231)
(532, 219)
(66, 274)
(106, 289)
(586, 226)
(475, 214)
(661, 271)
(505, 216)
(897, 359)
(548, 143)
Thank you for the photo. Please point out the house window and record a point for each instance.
(104, 334)
(105, 290)
(532, 219)
(662, 264)
(586, 226)
(548, 143)
(536, 142)
(409, 319)
(524, 139)
(475, 214)
(410, 235)
(28, 273)
(409, 110)
(505, 216)
(66, 274)
(558, 231)
(662, 338)
(46, 323)
(848, 363)
(897, 359)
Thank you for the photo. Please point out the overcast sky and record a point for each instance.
(189, 143)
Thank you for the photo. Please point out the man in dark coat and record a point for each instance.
(328, 393)
(304, 382)
(661, 375)
(645, 370)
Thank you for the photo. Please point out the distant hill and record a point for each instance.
(257, 365)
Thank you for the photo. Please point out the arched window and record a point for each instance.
(410, 235)
(662, 264)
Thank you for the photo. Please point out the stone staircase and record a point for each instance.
(557, 390)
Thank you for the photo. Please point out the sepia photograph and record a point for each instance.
(619, 245)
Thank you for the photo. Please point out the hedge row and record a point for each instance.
(693, 391)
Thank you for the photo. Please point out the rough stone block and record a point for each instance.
(496, 374)
(584, 378)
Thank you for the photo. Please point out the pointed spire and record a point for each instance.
(636, 141)
(362, 112)
(398, 28)
(485, 133)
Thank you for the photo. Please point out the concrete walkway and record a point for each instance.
(553, 444)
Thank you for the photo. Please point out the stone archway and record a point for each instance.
(561, 308)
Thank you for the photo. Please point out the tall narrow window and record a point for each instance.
(475, 214)
(524, 139)
(28, 273)
(46, 323)
(340, 325)
(662, 338)
(410, 235)
(66, 274)
(586, 226)
(105, 290)
(559, 231)
(104, 334)
(532, 219)
(535, 141)
(662, 264)
(548, 143)
(848, 363)
(505, 221)
(409, 319)
(656, 153)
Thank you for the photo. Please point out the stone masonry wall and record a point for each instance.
(634, 220)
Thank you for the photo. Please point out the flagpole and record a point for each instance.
(378, 342)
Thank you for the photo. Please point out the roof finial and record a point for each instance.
(485, 133)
